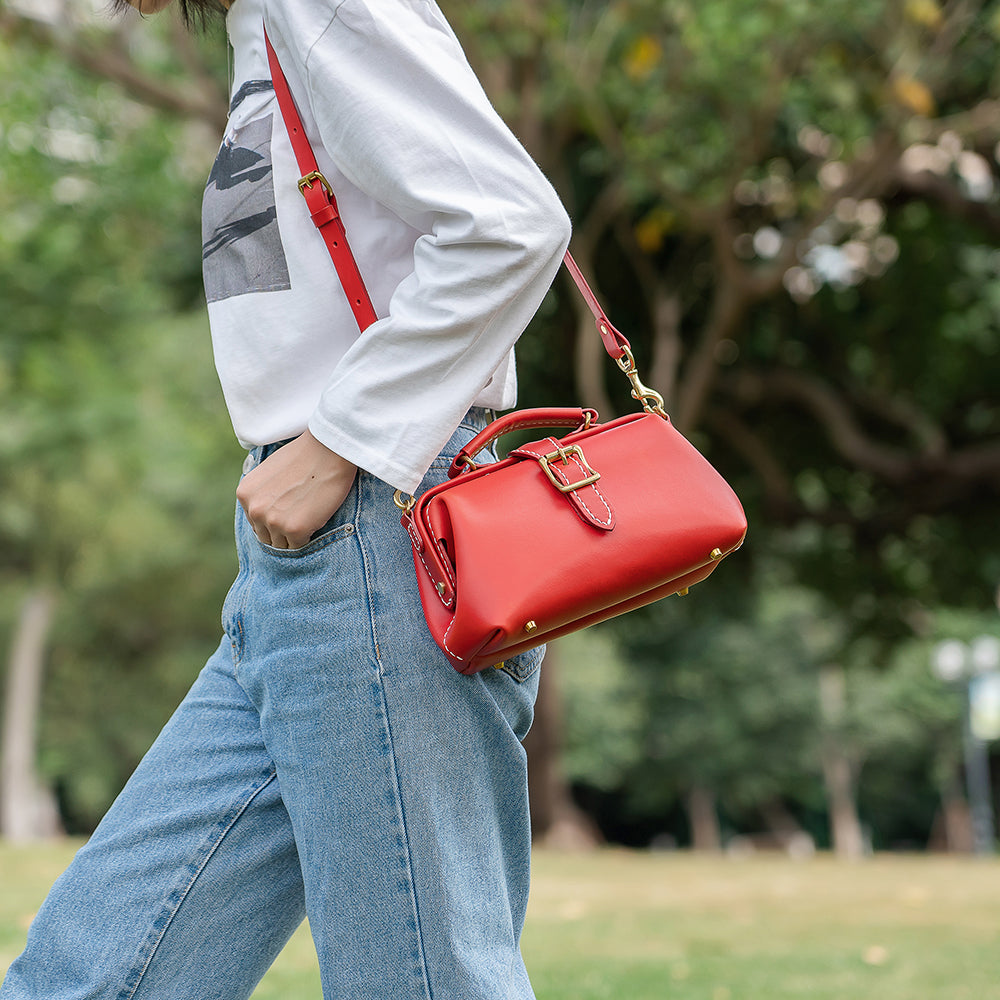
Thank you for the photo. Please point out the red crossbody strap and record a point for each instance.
(320, 199)
(323, 209)
(614, 341)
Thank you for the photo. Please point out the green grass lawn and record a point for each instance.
(636, 926)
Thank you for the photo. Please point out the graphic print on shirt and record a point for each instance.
(241, 249)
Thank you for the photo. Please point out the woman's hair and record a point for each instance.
(193, 11)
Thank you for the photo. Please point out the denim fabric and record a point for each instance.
(327, 761)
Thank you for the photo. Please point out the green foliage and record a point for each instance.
(918, 353)
(605, 714)
(730, 153)
(116, 459)
(724, 701)
(711, 74)
(852, 406)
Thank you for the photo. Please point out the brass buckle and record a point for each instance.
(564, 455)
(311, 178)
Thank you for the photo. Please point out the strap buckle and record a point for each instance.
(652, 401)
(406, 506)
(564, 455)
(311, 178)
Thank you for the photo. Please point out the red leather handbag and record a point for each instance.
(565, 531)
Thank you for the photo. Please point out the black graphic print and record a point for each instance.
(241, 248)
(248, 89)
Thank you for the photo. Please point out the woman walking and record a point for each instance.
(328, 762)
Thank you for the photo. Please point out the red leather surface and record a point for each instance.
(588, 500)
(615, 342)
(514, 551)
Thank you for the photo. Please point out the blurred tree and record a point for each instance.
(163, 66)
(725, 154)
(730, 705)
(27, 807)
(724, 709)
(792, 210)
(112, 431)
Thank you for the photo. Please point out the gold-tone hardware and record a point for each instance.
(652, 401)
(465, 460)
(500, 665)
(404, 505)
(561, 453)
(311, 178)
(715, 554)
(564, 455)
(530, 626)
(440, 588)
(683, 593)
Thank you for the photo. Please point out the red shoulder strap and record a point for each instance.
(614, 341)
(320, 199)
(323, 209)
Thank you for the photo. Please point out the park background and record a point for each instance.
(791, 208)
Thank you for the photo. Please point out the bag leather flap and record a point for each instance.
(569, 473)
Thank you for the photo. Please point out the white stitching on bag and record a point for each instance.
(444, 641)
(441, 551)
(583, 503)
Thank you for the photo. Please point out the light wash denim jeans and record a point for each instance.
(328, 761)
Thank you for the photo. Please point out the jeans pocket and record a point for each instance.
(325, 536)
(339, 525)
(522, 666)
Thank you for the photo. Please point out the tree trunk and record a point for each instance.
(957, 818)
(27, 810)
(838, 770)
(952, 829)
(556, 820)
(845, 828)
(705, 832)
(667, 315)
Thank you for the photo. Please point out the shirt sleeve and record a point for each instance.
(402, 115)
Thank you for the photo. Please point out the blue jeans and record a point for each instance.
(328, 762)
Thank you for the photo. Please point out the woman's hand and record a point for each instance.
(295, 491)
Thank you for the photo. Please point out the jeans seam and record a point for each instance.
(239, 653)
(368, 581)
(396, 784)
(404, 829)
(518, 675)
(155, 938)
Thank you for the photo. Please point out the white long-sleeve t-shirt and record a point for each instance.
(456, 232)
